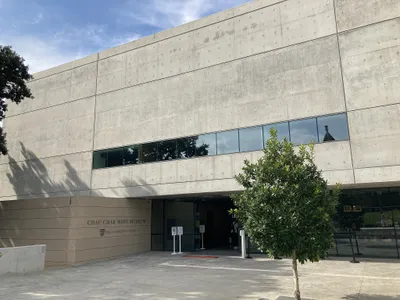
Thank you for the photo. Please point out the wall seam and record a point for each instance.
(94, 124)
(343, 87)
(364, 26)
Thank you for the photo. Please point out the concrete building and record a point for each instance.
(164, 123)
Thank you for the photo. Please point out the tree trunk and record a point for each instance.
(295, 276)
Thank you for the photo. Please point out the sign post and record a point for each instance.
(180, 233)
(173, 232)
(202, 230)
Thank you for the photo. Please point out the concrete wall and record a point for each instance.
(263, 62)
(70, 227)
(22, 260)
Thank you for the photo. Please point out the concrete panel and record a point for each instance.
(83, 81)
(175, 56)
(42, 177)
(169, 172)
(374, 136)
(143, 64)
(205, 168)
(342, 177)
(333, 156)
(22, 260)
(371, 65)
(306, 20)
(68, 66)
(62, 129)
(111, 73)
(355, 13)
(186, 170)
(223, 167)
(378, 174)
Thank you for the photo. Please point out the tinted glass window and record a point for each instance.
(206, 144)
(115, 157)
(227, 142)
(303, 131)
(251, 139)
(333, 128)
(282, 128)
(131, 155)
(186, 147)
(149, 152)
(167, 150)
(99, 159)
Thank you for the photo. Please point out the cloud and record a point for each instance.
(42, 53)
(165, 14)
(49, 35)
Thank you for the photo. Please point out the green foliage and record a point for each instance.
(287, 207)
(13, 76)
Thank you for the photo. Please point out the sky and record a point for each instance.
(48, 33)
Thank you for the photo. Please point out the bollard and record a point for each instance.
(243, 243)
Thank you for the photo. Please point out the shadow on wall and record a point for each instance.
(31, 178)
(370, 297)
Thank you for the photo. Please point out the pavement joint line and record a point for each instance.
(276, 271)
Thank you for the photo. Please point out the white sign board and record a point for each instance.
(173, 230)
(180, 230)
(202, 228)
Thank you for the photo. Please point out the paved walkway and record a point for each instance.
(162, 276)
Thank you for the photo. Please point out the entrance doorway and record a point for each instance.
(211, 211)
(219, 224)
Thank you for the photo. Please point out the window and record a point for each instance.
(186, 147)
(251, 139)
(319, 130)
(167, 150)
(206, 145)
(149, 153)
(333, 128)
(227, 142)
(303, 131)
(131, 155)
(100, 159)
(115, 157)
(281, 128)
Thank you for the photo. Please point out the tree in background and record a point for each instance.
(13, 76)
(286, 207)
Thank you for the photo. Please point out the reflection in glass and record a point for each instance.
(303, 131)
(115, 157)
(149, 152)
(99, 159)
(282, 128)
(131, 155)
(186, 147)
(333, 128)
(251, 139)
(227, 142)
(206, 145)
(167, 150)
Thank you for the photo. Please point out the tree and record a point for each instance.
(286, 207)
(13, 76)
